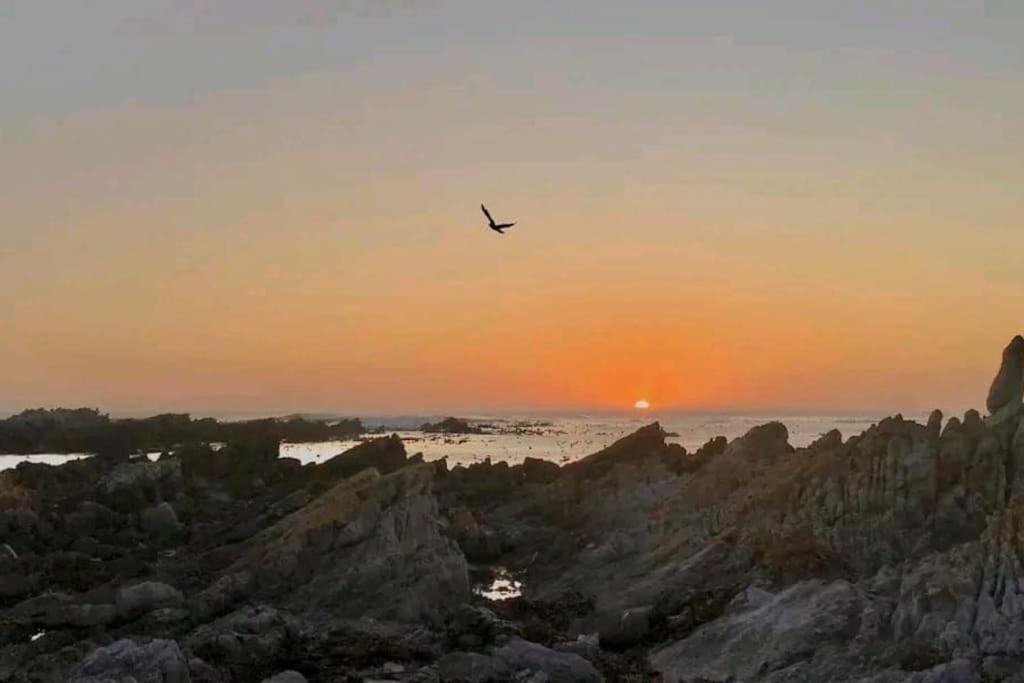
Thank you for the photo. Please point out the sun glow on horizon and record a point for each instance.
(642, 404)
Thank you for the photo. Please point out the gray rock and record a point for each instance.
(616, 628)
(477, 542)
(371, 546)
(55, 610)
(14, 585)
(286, 677)
(160, 522)
(136, 600)
(998, 668)
(560, 667)
(246, 641)
(137, 485)
(222, 595)
(89, 517)
(159, 661)
(634, 626)
(481, 623)
(586, 646)
(517, 660)
(957, 671)
(751, 640)
(201, 672)
(21, 521)
(531, 677)
(167, 615)
(471, 667)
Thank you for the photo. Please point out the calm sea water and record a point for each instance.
(564, 438)
(558, 437)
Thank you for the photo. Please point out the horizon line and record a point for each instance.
(479, 413)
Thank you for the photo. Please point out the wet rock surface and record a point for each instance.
(891, 556)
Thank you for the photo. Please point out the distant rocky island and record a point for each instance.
(85, 430)
(451, 425)
(893, 556)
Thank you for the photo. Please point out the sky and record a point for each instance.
(253, 205)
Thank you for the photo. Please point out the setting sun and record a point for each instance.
(642, 404)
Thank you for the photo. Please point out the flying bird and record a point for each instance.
(499, 228)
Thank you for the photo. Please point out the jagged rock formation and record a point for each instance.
(1007, 390)
(894, 556)
(370, 546)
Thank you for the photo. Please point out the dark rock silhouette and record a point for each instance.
(450, 425)
(85, 430)
(1007, 388)
(647, 443)
(891, 556)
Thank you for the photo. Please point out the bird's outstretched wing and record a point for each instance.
(502, 226)
(487, 213)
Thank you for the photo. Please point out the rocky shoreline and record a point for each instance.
(893, 556)
(85, 430)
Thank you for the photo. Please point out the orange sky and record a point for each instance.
(267, 210)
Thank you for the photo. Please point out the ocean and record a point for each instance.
(558, 437)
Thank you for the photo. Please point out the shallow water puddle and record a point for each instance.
(503, 586)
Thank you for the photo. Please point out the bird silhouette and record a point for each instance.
(499, 228)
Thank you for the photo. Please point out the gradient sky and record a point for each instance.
(264, 205)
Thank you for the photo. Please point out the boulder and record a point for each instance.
(21, 523)
(238, 465)
(247, 642)
(136, 485)
(220, 596)
(517, 660)
(586, 646)
(125, 661)
(478, 543)
(560, 667)
(141, 598)
(616, 629)
(286, 677)
(89, 518)
(163, 616)
(58, 610)
(472, 667)
(15, 584)
(473, 627)
(160, 522)
(201, 672)
(956, 671)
